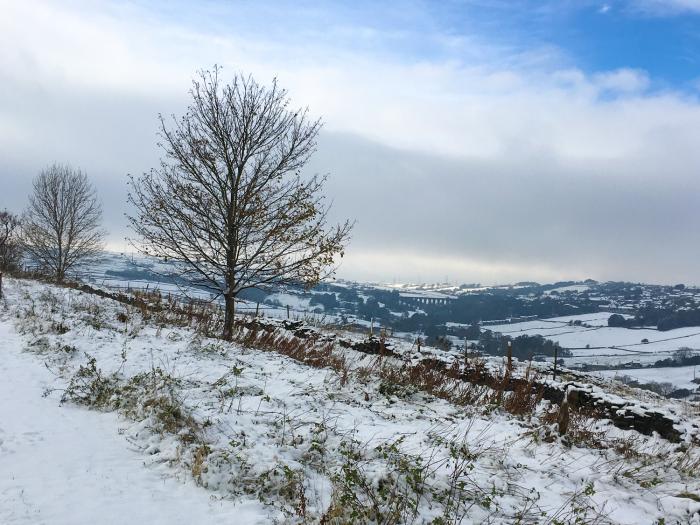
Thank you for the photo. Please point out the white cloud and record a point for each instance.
(666, 7)
(447, 107)
(622, 81)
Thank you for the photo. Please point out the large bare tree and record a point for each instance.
(228, 201)
(61, 226)
(10, 247)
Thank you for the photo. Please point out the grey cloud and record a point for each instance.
(618, 219)
(586, 220)
(607, 220)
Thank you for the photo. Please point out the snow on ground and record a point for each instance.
(553, 324)
(294, 301)
(268, 438)
(679, 376)
(66, 465)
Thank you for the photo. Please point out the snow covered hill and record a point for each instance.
(114, 413)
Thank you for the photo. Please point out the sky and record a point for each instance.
(487, 141)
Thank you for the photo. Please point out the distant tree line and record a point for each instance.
(458, 318)
(523, 347)
(682, 357)
(663, 318)
(665, 389)
(465, 309)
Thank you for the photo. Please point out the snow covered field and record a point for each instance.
(599, 344)
(680, 376)
(112, 415)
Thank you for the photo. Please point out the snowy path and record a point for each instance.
(66, 465)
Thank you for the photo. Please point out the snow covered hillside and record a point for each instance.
(115, 413)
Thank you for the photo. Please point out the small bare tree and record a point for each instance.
(228, 202)
(10, 248)
(62, 222)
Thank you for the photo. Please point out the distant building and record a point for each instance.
(417, 298)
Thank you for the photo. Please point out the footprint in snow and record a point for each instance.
(32, 437)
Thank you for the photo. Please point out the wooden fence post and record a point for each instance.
(287, 311)
(555, 363)
(563, 418)
(510, 356)
(0, 285)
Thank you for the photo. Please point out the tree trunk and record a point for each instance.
(230, 310)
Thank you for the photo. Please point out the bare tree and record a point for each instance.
(228, 202)
(62, 222)
(10, 248)
(683, 354)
